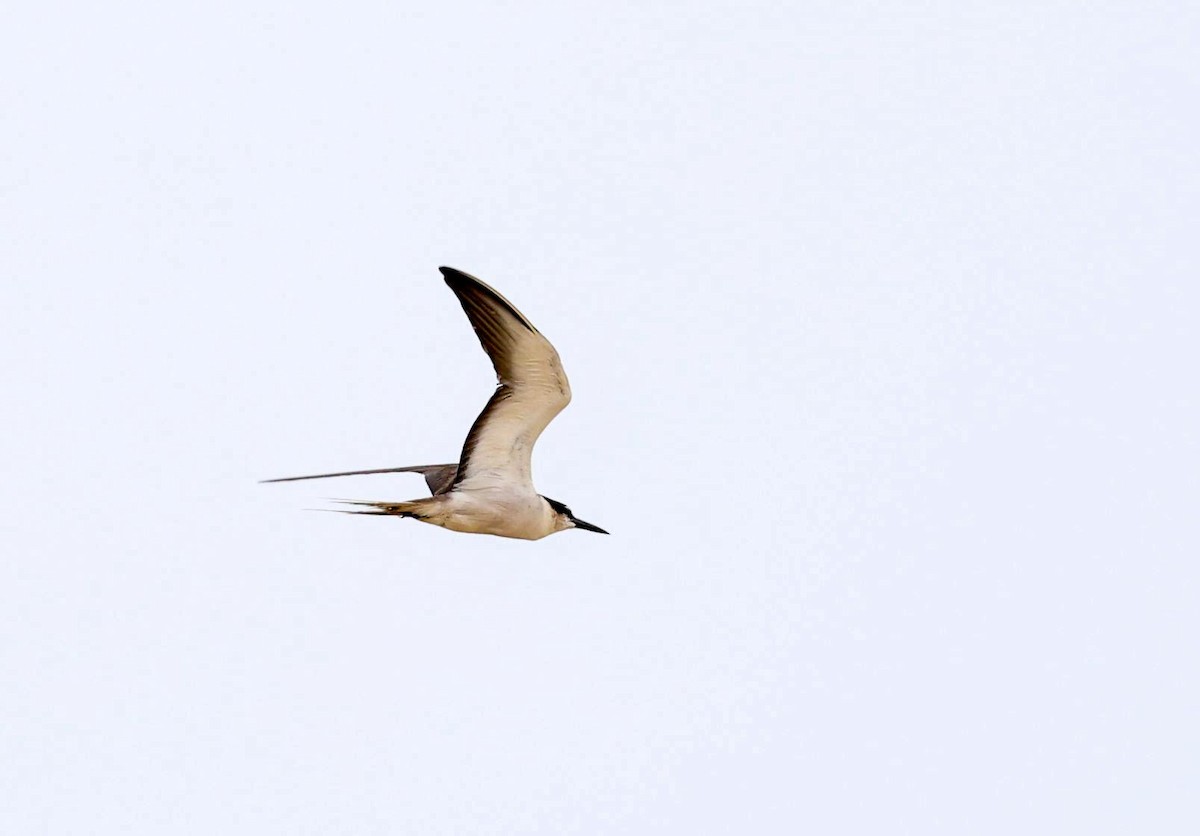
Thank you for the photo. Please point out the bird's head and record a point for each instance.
(564, 519)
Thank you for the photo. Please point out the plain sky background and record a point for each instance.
(881, 324)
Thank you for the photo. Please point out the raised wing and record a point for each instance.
(439, 477)
(532, 389)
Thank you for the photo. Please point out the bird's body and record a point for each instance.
(490, 490)
(495, 510)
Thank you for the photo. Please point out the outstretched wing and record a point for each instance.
(439, 477)
(532, 389)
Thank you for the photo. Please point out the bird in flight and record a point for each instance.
(490, 490)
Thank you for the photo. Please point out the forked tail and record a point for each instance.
(417, 509)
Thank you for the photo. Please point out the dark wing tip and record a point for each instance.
(457, 278)
(465, 285)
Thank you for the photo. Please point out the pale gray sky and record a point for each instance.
(881, 321)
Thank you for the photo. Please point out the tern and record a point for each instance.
(490, 490)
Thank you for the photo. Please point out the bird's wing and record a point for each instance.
(439, 477)
(533, 388)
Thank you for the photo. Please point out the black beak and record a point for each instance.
(587, 526)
